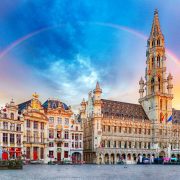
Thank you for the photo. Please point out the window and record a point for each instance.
(59, 134)
(12, 126)
(139, 130)
(160, 131)
(18, 127)
(158, 61)
(115, 129)
(119, 144)
(66, 144)
(28, 123)
(28, 136)
(59, 120)
(135, 145)
(72, 144)
(66, 122)
(5, 125)
(58, 144)
(51, 119)
(51, 144)
(152, 85)
(76, 128)
(12, 116)
(35, 125)
(35, 136)
(159, 83)
(18, 138)
(51, 133)
(76, 144)
(149, 145)
(152, 62)
(149, 131)
(125, 144)
(5, 138)
(66, 135)
(125, 130)
(42, 153)
(51, 154)
(42, 125)
(42, 137)
(144, 131)
(129, 144)
(114, 144)
(139, 145)
(65, 154)
(109, 128)
(160, 104)
(76, 137)
(72, 135)
(28, 152)
(80, 136)
(11, 138)
(119, 129)
(104, 127)
(135, 130)
(129, 130)
(108, 144)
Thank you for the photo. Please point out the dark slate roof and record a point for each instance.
(176, 116)
(54, 104)
(122, 109)
(24, 105)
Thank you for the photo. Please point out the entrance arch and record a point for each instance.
(76, 157)
(112, 158)
(162, 154)
(106, 158)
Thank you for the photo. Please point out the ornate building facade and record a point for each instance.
(116, 130)
(11, 132)
(35, 129)
(62, 132)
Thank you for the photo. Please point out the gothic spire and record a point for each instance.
(156, 29)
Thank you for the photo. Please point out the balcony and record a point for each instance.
(59, 140)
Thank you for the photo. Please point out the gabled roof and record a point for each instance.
(24, 105)
(123, 109)
(54, 104)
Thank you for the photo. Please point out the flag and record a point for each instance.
(161, 116)
(169, 119)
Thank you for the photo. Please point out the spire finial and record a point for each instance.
(155, 11)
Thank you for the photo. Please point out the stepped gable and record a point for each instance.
(122, 109)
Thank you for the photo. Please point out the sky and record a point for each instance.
(61, 48)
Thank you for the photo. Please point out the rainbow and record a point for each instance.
(14, 44)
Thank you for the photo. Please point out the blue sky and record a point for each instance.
(68, 49)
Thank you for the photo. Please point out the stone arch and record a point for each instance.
(134, 157)
(118, 157)
(124, 156)
(162, 154)
(112, 158)
(106, 158)
(129, 157)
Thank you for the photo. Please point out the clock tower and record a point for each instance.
(157, 101)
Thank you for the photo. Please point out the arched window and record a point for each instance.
(152, 85)
(158, 61)
(160, 104)
(159, 83)
(12, 115)
(158, 42)
(152, 62)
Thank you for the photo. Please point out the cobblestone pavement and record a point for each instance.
(95, 172)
